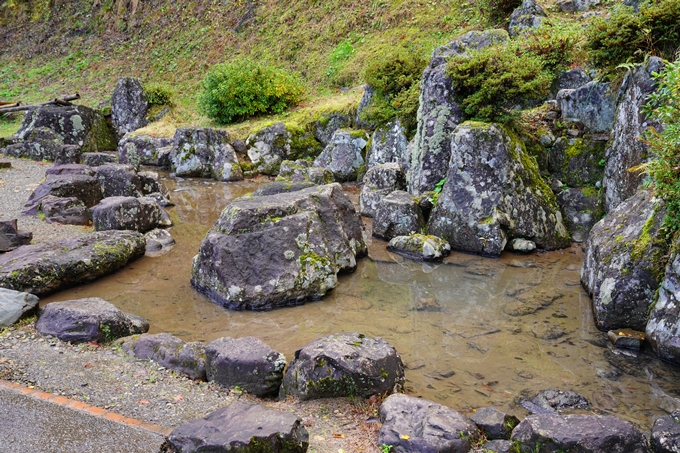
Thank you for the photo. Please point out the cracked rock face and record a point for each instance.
(128, 106)
(389, 144)
(343, 155)
(663, 328)
(380, 181)
(205, 153)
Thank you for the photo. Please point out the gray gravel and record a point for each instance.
(16, 185)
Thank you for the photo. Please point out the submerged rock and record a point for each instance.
(15, 305)
(343, 155)
(420, 247)
(349, 364)
(205, 153)
(380, 181)
(169, 351)
(582, 210)
(279, 250)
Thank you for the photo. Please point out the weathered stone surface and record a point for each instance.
(152, 183)
(495, 423)
(666, 433)
(70, 169)
(397, 214)
(593, 105)
(663, 327)
(621, 269)
(45, 268)
(68, 154)
(627, 149)
(527, 16)
(571, 6)
(582, 433)
(499, 446)
(302, 170)
(494, 193)
(205, 153)
(366, 100)
(520, 245)
(40, 144)
(117, 180)
(389, 144)
(91, 319)
(11, 237)
(571, 79)
(242, 428)
(128, 106)
(380, 181)
(325, 127)
(438, 114)
(415, 425)
(348, 364)
(97, 159)
(582, 209)
(343, 154)
(277, 187)
(269, 147)
(143, 149)
(247, 363)
(74, 125)
(158, 240)
(169, 351)
(420, 247)
(126, 213)
(83, 187)
(554, 400)
(279, 250)
(67, 211)
(14, 305)
(577, 162)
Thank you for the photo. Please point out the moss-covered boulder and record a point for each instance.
(129, 106)
(40, 144)
(205, 153)
(582, 209)
(624, 263)
(494, 193)
(304, 171)
(577, 162)
(280, 250)
(349, 364)
(527, 16)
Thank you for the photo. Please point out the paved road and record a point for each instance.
(31, 425)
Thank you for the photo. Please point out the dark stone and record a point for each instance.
(325, 127)
(626, 338)
(499, 446)
(366, 100)
(277, 187)
(242, 428)
(126, 213)
(139, 150)
(430, 427)
(389, 144)
(5, 165)
(279, 250)
(129, 106)
(663, 327)
(97, 159)
(349, 364)
(48, 267)
(302, 170)
(169, 351)
(11, 238)
(91, 319)
(70, 169)
(239, 146)
(555, 400)
(593, 106)
(666, 433)
(117, 180)
(205, 153)
(247, 363)
(152, 183)
(420, 247)
(68, 154)
(527, 16)
(577, 162)
(380, 181)
(83, 187)
(343, 155)
(158, 240)
(578, 433)
(15, 305)
(40, 144)
(570, 80)
(582, 209)
(67, 211)
(397, 214)
(495, 423)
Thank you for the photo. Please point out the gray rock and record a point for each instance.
(663, 328)
(129, 106)
(158, 240)
(279, 250)
(521, 245)
(15, 305)
(363, 104)
(495, 423)
(83, 187)
(117, 180)
(161, 199)
(627, 149)
(527, 16)
(70, 169)
(349, 364)
(571, 6)
(48, 267)
(205, 153)
(621, 269)
(91, 319)
(582, 209)
(666, 433)
(169, 351)
(570, 80)
(152, 183)
(343, 154)
(67, 211)
(325, 127)
(247, 363)
(242, 428)
(143, 149)
(556, 400)
(493, 194)
(10, 237)
(582, 433)
(420, 247)
(389, 144)
(97, 159)
(593, 106)
(397, 214)
(302, 170)
(68, 154)
(499, 446)
(277, 187)
(269, 147)
(577, 162)
(126, 213)
(430, 427)
(438, 114)
(380, 181)
(41, 144)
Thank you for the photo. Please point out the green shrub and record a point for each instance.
(243, 88)
(395, 79)
(627, 36)
(158, 93)
(558, 44)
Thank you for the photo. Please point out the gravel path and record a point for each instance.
(16, 185)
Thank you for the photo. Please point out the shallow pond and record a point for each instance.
(472, 331)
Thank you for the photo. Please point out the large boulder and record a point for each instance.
(302, 171)
(40, 144)
(327, 124)
(74, 125)
(666, 433)
(14, 305)
(277, 187)
(577, 162)
(279, 250)
(592, 105)
(247, 363)
(343, 155)
(398, 214)
(136, 149)
(416, 425)
(80, 186)
(48, 267)
(205, 153)
(582, 209)
(493, 194)
(439, 114)
(269, 147)
(117, 180)
(91, 319)
(349, 364)
(663, 327)
(169, 351)
(129, 106)
(627, 149)
(388, 144)
(622, 266)
(242, 428)
(64, 210)
(527, 16)
(70, 169)
(126, 213)
(380, 181)
(10, 236)
(580, 433)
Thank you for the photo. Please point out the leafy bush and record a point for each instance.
(158, 94)
(395, 79)
(627, 36)
(244, 88)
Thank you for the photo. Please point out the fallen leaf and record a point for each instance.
(338, 436)
(143, 401)
(87, 365)
(404, 437)
(178, 398)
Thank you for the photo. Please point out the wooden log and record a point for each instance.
(10, 104)
(59, 101)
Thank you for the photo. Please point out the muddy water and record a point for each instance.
(471, 331)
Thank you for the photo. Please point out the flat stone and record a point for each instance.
(15, 305)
